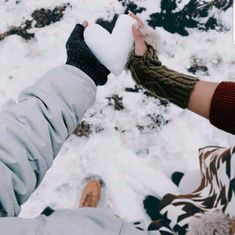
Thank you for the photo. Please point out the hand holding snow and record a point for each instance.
(111, 50)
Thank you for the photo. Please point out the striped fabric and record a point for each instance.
(217, 190)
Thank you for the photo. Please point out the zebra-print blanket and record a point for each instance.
(217, 190)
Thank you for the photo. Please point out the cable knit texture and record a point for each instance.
(80, 56)
(222, 110)
(149, 72)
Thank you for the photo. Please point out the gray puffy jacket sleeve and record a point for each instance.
(33, 131)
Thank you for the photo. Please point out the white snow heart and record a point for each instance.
(112, 50)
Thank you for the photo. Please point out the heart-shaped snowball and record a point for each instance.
(112, 50)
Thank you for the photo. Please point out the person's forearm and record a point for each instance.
(201, 97)
(161, 81)
(33, 131)
(213, 101)
(222, 110)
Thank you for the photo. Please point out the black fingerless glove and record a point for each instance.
(80, 56)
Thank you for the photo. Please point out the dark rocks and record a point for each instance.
(83, 129)
(157, 121)
(40, 18)
(131, 6)
(195, 14)
(136, 89)
(21, 31)
(116, 101)
(198, 66)
(44, 17)
(108, 25)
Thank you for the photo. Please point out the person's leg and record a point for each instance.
(152, 203)
(91, 194)
(176, 177)
(152, 207)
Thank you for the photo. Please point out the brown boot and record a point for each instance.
(91, 194)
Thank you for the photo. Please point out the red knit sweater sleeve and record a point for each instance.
(222, 111)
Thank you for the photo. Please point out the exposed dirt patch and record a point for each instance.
(40, 18)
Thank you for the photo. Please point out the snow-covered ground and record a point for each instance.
(133, 162)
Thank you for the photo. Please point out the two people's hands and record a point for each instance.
(80, 56)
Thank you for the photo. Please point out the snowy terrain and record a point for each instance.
(127, 148)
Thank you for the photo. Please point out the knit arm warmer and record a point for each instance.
(222, 111)
(149, 72)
